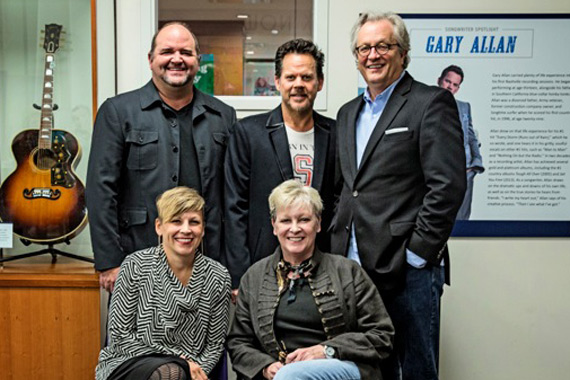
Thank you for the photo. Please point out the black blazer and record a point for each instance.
(258, 160)
(135, 157)
(410, 183)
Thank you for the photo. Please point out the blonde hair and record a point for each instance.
(177, 201)
(294, 192)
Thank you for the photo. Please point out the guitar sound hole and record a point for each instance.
(45, 159)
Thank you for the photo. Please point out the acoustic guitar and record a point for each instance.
(43, 197)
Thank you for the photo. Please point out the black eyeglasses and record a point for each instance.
(381, 49)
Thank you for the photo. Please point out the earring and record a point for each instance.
(159, 239)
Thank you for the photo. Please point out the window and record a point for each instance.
(238, 41)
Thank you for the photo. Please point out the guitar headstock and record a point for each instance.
(52, 37)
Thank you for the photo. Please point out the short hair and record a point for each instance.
(299, 46)
(293, 192)
(181, 23)
(453, 69)
(400, 31)
(177, 201)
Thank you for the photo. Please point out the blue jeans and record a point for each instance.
(415, 311)
(320, 369)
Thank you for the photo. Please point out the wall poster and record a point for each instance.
(516, 84)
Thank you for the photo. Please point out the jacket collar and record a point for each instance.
(275, 120)
(395, 103)
(149, 97)
(278, 136)
(278, 253)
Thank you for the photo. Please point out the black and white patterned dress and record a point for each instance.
(151, 312)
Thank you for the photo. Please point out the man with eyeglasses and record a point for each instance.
(401, 157)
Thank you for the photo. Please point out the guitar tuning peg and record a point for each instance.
(63, 32)
(42, 31)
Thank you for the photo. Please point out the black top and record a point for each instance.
(298, 323)
(189, 170)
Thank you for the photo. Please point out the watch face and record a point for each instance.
(329, 352)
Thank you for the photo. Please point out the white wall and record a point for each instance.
(507, 314)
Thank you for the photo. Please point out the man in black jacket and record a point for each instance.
(292, 141)
(403, 168)
(163, 135)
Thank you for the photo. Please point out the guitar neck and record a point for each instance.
(46, 124)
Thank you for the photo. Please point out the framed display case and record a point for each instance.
(48, 95)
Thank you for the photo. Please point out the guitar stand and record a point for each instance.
(54, 252)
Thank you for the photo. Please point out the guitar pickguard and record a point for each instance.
(61, 174)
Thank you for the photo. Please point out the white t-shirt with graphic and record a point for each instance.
(302, 149)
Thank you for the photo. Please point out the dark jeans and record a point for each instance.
(415, 311)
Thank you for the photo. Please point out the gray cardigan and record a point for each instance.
(354, 317)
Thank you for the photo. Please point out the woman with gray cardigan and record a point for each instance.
(302, 312)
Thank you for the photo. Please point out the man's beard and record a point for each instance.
(303, 107)
(177, 83)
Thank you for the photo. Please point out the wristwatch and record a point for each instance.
(329, 352)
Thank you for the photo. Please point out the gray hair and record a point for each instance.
(400, 31)
(293, 192)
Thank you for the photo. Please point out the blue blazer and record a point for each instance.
(473, 157)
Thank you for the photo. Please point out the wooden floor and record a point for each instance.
(49, 319)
